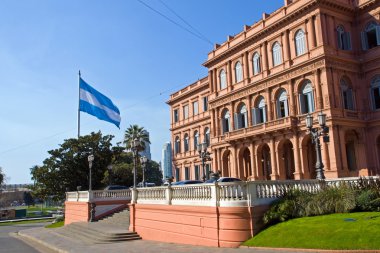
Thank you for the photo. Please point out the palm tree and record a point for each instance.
(135, 132)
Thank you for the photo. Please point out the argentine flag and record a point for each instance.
(95, 103)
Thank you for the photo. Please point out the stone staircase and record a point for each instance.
(119, 219)
(111, 229)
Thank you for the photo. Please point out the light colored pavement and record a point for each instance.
(63, 244)
(10, 244)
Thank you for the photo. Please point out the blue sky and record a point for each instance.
(123, 49)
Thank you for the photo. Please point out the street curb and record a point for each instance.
(52, 247)
(311, 250)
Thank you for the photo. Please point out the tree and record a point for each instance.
(2, 177)
(153, 173)
(67, 167)
(135, 132)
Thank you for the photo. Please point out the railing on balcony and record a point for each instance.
(252, 193)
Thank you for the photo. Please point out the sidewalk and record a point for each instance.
(62, 244)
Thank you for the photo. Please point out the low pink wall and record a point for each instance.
(207, 226)
(76, 211)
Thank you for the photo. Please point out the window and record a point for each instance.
(306, 98)
(344, 38)
(226, 122)
(177, 145)
(300, 42)
(222, 79)
(276, 51)
(207, 136)
(187, 173)
(205, 103)
(371, 36)
(351, 156)
(185, 112)
(176, 116)
(282, 104)
(195, 108)
(177, 177)
(241, 117)
(347, 95)
(186, 142)
(208, 170)
(259, 114)
(256, 63)
(375, 93)
(196, 172)
(196, 140)
(238, 72)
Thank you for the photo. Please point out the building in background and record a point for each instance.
(166, 161)
(305, 58)
(146, 151)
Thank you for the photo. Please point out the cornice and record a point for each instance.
(193, 122)
(171, 101)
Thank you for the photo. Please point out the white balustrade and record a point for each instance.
(250, 193)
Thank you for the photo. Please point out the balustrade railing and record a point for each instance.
(250, 193)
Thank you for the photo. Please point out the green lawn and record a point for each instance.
(55, 225)
(334, 231)
(10, 223)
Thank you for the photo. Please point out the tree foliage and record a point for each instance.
(67, 167)
(135, 132)
(2, 176)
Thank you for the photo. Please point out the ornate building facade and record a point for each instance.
(309, 56)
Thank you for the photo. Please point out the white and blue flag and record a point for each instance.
(95, 103)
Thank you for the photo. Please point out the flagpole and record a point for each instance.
(79, 105)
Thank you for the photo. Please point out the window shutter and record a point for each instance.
(364, 39)
(236, 123)
(350, 99)
(278, 109)
(347, 36)
(286, 108)
(372, 99)
(245, 119)
(301, 100)
(223, 126)
(378, 35)
(254, 119)
(311, 101)
(340, 42)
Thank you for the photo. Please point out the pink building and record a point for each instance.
(307, 57)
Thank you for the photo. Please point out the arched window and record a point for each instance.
(196, 140)
(282, 104)
(300, 42)
(226, 121)
(207, 136)
(259, 113)
(375, 92)
(222, 79)
(347, 95)
(306, 98)
(238, 72)
(241, 117)
(177, 146)
(186, 142)
(277, 56)
(371, 36)
(256, 63)
(343, 38)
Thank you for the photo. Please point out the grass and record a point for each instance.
(55, 225)
(10, 223)
(334, 231)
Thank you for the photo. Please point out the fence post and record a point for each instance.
(168, 195)
(215, 196)
(251, 192)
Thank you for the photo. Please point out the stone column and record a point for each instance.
(318, 90)
(249, 111)
(310, 33)
(215, 72)
(253, 161)
(264, 53)
(292, 103)
(211, 80)
(268, 101)
(246, 74)
(318, 29)
(297, 161)
(286, 49)
(325, 156)
(235, 162)
(273, 157)
(229, 76)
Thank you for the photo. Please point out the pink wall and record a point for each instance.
(76, 211)
(207, 226)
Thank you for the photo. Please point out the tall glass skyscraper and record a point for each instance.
(146, 151)
(166, 161)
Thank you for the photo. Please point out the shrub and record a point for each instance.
(368, 200)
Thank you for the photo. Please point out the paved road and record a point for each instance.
(11, 244)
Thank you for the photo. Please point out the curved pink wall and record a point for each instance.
(207, 226)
